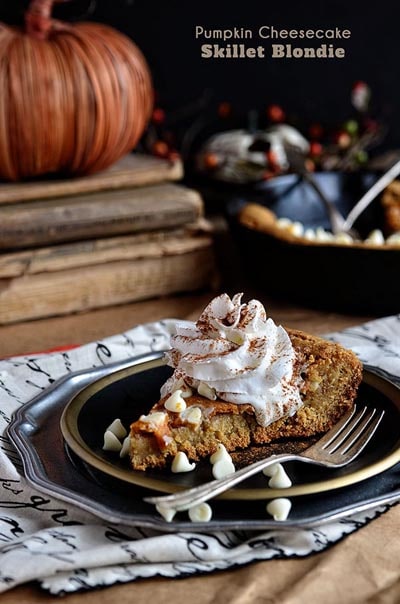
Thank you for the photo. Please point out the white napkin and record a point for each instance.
(68, 549)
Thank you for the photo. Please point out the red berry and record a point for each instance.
(309, 165)
(359, 85)
(224, 109)
(158, 116)
(360, 96)
(174, 155)
(371, 125)
(161, 149)
(315, 149)
(272, 159)
(275, 113)
(211, 161)
(267, 175)
(343, 139)
(316, 131)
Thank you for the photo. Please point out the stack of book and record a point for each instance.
(127, 234)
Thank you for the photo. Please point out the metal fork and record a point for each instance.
(338, 223)
(370, 195)
(338, 447)
(297, 162)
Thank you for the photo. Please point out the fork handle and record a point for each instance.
(335, 218)
(189, 498)
(370, 195)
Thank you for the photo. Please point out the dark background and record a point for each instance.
(312, 90)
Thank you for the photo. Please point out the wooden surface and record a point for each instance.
(58, 281)
(133, 170)
(44, 334)
(79, 254)
(105, 213)
(363, 568)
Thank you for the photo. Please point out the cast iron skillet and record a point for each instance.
(331, 277)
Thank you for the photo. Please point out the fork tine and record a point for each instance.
(337, 428)
(335, 442)
(362, 435)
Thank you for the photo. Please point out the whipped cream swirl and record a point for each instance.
(241, 355)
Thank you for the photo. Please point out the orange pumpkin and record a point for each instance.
(74, 98)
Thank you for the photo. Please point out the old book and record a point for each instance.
(75, 277)
(99, 214)
(98, 251)
(133, 170)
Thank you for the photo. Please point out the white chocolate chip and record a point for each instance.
(272, 469)
(394, 238)
(280, 480)
(375, 237)
(309, 234)
(279, 508)
(125, 446)
(157, 418)
(111, 442)
(344, 238)
(322, 235)
(283, 223)
(223, 468)
(200, 513)
(220, 454)
(117, 428)
(192, 415)
(181, 463)
(175, 402)
(205, 390)
(296, 229)
(222, 462)
(167, 513)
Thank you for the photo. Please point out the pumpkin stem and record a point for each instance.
(38, 20)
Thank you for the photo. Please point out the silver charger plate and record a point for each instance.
(54, 467)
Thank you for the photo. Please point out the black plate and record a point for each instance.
(131, 392)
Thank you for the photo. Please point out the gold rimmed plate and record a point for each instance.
(131, 391)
